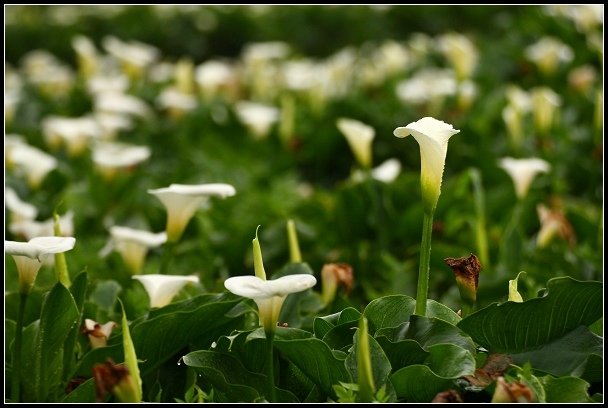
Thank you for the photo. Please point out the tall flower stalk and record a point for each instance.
(432, 136)
(28, 257)
(269, 296)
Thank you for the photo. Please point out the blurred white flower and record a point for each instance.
(523, 171)
(29, 256)
(162, 289)
(460, 52)
(110, 157)
(87, 55)
(429, 86)
(547, 53)
(257, 117)
(135, 56)
(553, 223)
(31, 162)
(121, 103)
(544, 107)
(133, 245)
(30, 228)
(74, 133)
(176, 102)
(432, 136)
(214, 77)
(359, 137)
(182, 200)
(20, 210)
(106, 82)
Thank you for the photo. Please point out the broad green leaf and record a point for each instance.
(381, 366)
(450, 361)
(418, 383)
(402, 353)
(515, 327)
(393, 310)
(227, 375)
(565, 356)
(43, 369)
(79, 291)
(598, 327)
(322, 325)
(340, 337)
(428, 331)
(83, 394)
(314, 358)
(168, 329)
(565, 389)
(594, 369)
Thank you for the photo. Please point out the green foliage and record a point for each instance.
(206, 345)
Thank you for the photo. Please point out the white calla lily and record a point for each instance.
(257, 117)
(269, 295)
(29, 255)
(359, 137)
(20, 210)
(182, 200)
(162, 289)
(523, 171)
(133, 245)
(432, 135)
(98, 333)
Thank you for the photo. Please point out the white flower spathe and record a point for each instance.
(182, 200)
(32, 162)
(523, 171)
(269, 295)
(257, 117)
(432, 136)
(119, 155)
(20, 210)
(359, 137)
(162, 289)
(133, 245)
(29, 255)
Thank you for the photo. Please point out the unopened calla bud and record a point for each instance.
(466, 271)
(294, 248)
(367, 388)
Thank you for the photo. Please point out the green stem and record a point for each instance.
(480, 225)
(270, 366)
(15, 388)
(425, 261)
(166, 258)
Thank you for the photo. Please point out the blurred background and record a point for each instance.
(250, 96)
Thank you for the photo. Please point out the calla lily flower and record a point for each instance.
(461, 53)
(182, 200)
(29, 256)
(544, 108)
(74, 133)
(257, 117)
(20, 210)
(176, 102)
(98, 333)
(432, 135)
(359, 137)
(162, 289)
(269, 295)
(133, 245)
(553, 223)
(548, 53)
(112, 156)
(29, 228)
(523, 171)
(32, 162)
